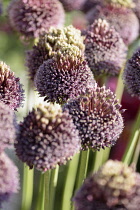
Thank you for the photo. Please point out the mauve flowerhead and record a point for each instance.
(131, 74)
(123, 19)
(90, 4)
(7, 126)
(9, 178)
(32, 17)
(136, 9)
(120, 3)
(98, 118)
(66, 40)
(114, 186)
(11, 91)
(70, 5)
(47, 137)
(103, 45)
(63, 78)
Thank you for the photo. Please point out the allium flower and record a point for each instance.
(66, 40)
(114, 186)
(7, 126)
(72, 4)
(32, 17)
(11, 92)
(102, 46)
(123, 19)
(9, 178)
(63, 78)
(98, 118)
(137, 9)
(121, 3)
(90, 4)
(131, 74)
(47, 137)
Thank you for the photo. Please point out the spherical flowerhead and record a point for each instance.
(131, 74)
(122, 19)
(7, 126)
(70, 5)
(98, 118)
(103, 45)
(114, 186)
(67, 40)
(11, 92)
(62, 79)
(90, 4)
(136, 9)
(121, 3)
(32, 17)
(9, 178)
(47, 137)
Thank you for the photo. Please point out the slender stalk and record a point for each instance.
(120, 86)
(133, 141)
(53, 184)
(136, 153)
(98, 159)
(41, 194)
(70, 181)
(27, 192)
(47, 190)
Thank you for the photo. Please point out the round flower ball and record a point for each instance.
(32, 17)
(90, 4)
(120, 3)
(136, 9)
(47, 137)
(97, 116)
(55, 41)
(103, 45)
(114, 186)
(70, 5)
(7, 126)
(11, 91)
(9, 178)
(131, 74)
(63, 78)
(123, 19)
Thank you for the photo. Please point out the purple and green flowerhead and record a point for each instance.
(105, 50)
(97, 116)
(47, 137)
(33, 17)
(9, 178)
(11, 91)
(131, 74)
(115, 186)
(67, 40)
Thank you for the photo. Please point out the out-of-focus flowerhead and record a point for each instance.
(114, 186)
(122, 19)
(131, 74)
(70, 5)
(32, 17)
(121, 3)
(7, 126)
(63, 78)
(67, 40)
(97, 116)
(47, 137)
(137, 9)
(9, 178)
(103, 45)
(11, 91)
(90, 4)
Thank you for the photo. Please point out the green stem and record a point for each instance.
(27, 192)
(120, 86)
(47, 190)
(82, 171)
(137, 152)
(133, 141)
(70, 181)
(53, 184)
(41, 193)
(98, 159)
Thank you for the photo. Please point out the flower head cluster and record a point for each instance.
(11, 92)
(55, 41)
(63, 78)
(122, 19)
(103, 45)
(9, 178)
(131, 74)
(98, 118)
(47, 137)
(114, 186)
(32, 17)
(121, 3)
(72, 4)
(137, 9)
(90, 4)
(7, 126)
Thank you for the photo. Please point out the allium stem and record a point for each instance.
(135, 136)
(47, 190)
(53, 184)
(41, 193)
(137, 152)
(27, 188)
(98, 160)
(120, 86)
(70, 181)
